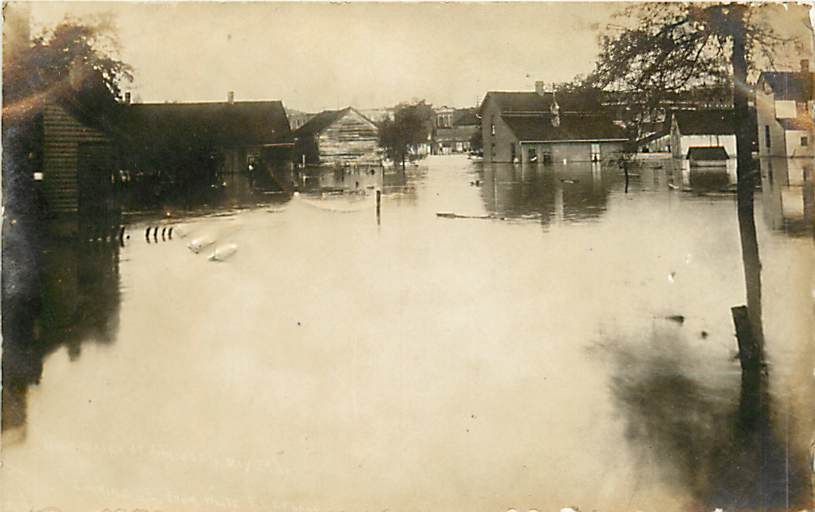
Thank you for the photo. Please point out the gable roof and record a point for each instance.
(707, 153)
(520, 102)
(324, 119)
(573, 127)
(789, 85)
(241, 123)
(705, 122)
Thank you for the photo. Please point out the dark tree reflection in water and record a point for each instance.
(721, 436)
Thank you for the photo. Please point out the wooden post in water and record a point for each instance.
(378, 204)
(749, 349)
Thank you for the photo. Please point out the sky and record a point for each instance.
(316, 56)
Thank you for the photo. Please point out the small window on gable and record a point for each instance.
(805, 141)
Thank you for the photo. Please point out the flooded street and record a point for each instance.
(558, 342)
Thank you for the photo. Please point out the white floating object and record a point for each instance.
(200, 243)
(223, 252)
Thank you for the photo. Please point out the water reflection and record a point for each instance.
(788, 194)
(58, 291)
(715, 432)
(552, 193)
(421, 337)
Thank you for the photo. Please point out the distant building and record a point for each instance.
(238, 134)
(453, 129)
(529, 127)
(702, 129)
(338, 138)
(297, 118)
(785, 112)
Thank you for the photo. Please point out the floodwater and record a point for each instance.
(556, 342)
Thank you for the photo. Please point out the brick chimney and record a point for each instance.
(540, 88)
(230, 97)
(805, 65)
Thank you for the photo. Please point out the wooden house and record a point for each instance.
(785, 105)
(338, 138)
(75, 161)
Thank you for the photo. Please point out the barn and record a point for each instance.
(338, 138)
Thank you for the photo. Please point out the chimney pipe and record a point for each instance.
(230, 97)
(127, 98)
(805, 65)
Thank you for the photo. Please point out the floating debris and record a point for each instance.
(200, 243)
(223, 252)
(450, 215)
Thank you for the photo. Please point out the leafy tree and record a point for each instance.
(670, 48)
(72, 64)
(580, 94)
(477, 140)
(410, 126)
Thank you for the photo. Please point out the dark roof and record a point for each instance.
(707, 153)
(789, 85)
(465, 117)
(705, 122)
(572, 127)
(520, 102)
(320, 122)
(242, 123)
(653, 136)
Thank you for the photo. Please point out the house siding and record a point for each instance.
(498, 147)
(570, 151)
(62, 135)
(766, 117)
(793, 145)
(351, 139)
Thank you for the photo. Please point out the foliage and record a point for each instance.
(671, 47)
(411, 125)
(73, 64)
(477, 140)
(667, 52)
(579, 95)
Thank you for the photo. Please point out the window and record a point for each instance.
(533, 155)
(492, 129)
(492, 148)
(767, 135)
(805, 141)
